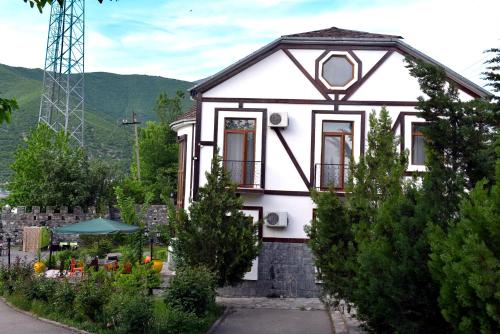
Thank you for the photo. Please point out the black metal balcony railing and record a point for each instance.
(245, 174)
(331, 176)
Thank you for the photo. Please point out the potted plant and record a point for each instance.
(157, 265)
(39, 266)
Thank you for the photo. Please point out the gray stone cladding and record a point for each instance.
(285, 270)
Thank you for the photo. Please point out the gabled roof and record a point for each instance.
(333, 37)
(338, 33)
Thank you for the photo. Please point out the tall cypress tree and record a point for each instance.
(216, 234)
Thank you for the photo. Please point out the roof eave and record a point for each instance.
(475, 88)
(180, 123)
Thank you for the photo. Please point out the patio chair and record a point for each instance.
(73, 270)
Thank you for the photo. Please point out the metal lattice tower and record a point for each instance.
(62, 102)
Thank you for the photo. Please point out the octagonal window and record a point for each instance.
(338, 71)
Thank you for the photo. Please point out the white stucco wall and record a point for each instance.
(276, 77)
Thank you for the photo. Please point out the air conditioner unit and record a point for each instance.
(278, 120)
(276, 219)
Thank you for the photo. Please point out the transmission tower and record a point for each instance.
(61, 106)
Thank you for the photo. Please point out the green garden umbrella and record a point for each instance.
(96, 226)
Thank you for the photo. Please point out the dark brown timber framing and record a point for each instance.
(292, 157)
(286, 240)
(332, 103)
(196, 158)
(358, 84)
(338, 45)
(334, 112)
(260, 210)
(400, 121)
(315, 83)
(264, 136)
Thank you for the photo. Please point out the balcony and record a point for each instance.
(246, 174)
(328, 176)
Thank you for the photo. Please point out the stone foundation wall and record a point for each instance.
(285, 270)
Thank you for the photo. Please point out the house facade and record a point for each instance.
(287, 119)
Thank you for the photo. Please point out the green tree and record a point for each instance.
(378, 173)
(102, 179)
(459, 140)
(40, 4)
(130, 214)
(7, 106)
(216, 234)
(492, 75)
(332, 242)
(159, 151)
(392, 289)
(47, 170)
(168, 109)
(466, 262)
(395, 292)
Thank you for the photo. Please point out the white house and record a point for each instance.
(288, 118)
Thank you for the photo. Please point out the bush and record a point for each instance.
(193, 290)
(130, 312)
(91, 296)
(41, 288)
(176, 321)
(140, 279)
(63, 298)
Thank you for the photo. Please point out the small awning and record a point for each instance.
(96, 226)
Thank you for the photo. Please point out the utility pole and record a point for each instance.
(134, 122)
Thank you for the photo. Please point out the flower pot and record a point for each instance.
(157, 265)
(39, 267)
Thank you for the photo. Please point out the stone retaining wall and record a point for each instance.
(13, 222)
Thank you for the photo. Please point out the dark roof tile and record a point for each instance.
(191, 114)
(335, 32)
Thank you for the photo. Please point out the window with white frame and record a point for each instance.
(417, 144)
(239, 150)
(336, 153)
(338, 140)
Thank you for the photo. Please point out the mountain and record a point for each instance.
(109, 98)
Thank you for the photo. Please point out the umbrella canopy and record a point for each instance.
(96, 226)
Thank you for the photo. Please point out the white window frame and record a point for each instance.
(356, 119)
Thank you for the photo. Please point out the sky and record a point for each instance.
(190, 40)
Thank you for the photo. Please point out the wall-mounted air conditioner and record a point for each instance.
(278, 120)
(276, 219)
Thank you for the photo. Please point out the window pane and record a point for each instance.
(330, 171)
(234, 156)
(347, 157)
(418, 152)
(249, 165)
(345, 127)
(338, 71)
(241, 124)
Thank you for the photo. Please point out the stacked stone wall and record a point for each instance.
(14, 220)
(284, 270)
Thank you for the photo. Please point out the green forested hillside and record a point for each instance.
(108, 99)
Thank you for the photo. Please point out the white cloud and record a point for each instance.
(196, 39)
